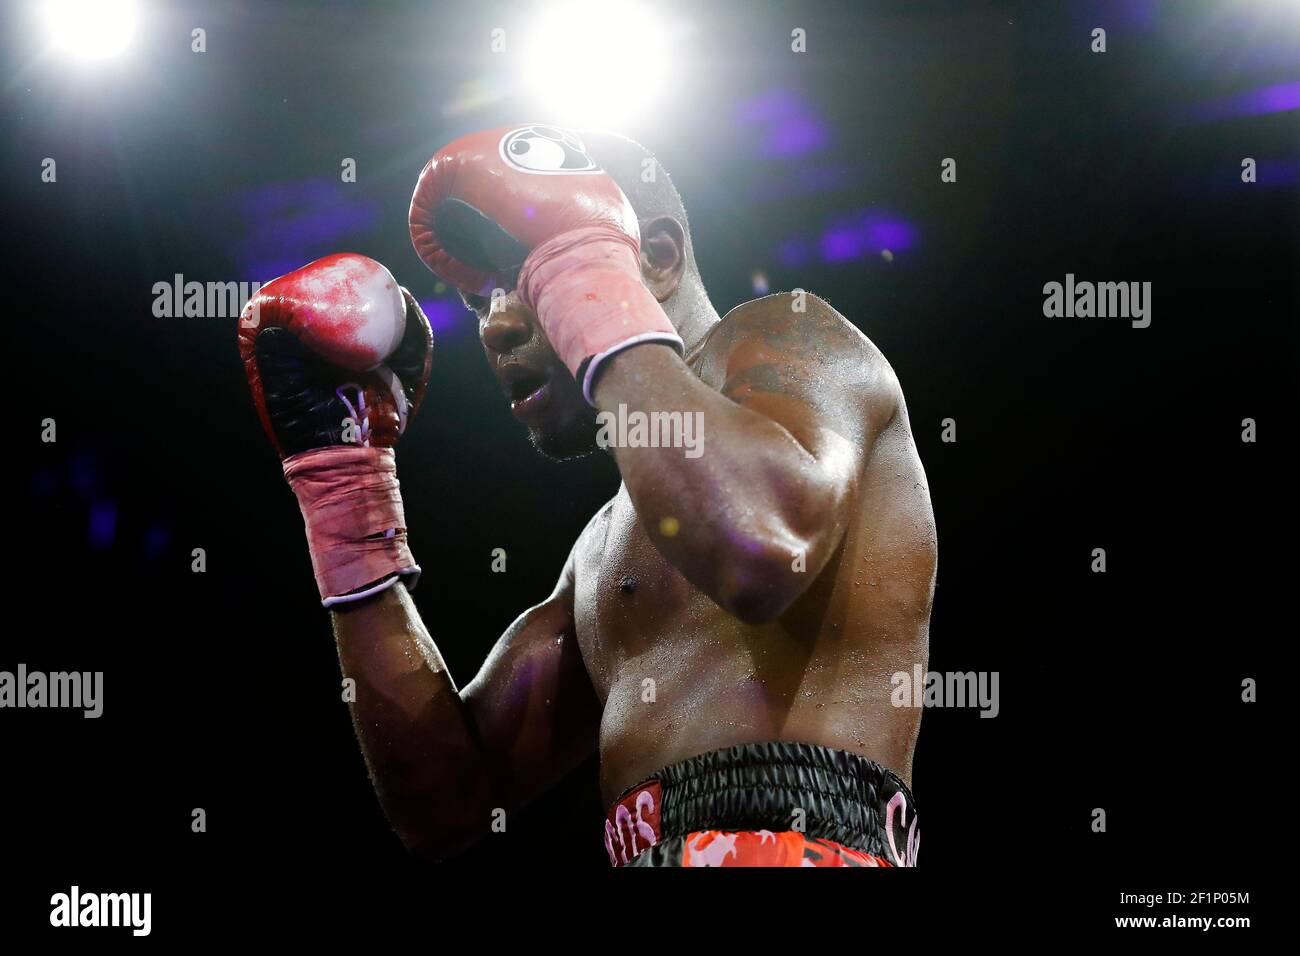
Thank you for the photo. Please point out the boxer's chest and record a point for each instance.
(625, 593)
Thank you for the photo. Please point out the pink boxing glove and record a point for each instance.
(527, 206)
(337, 357)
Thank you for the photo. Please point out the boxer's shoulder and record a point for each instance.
(795, 341)
(799, 324)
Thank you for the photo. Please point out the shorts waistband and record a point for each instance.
(778, 786)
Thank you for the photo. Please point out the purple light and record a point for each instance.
(446, 316)
(785, 125)
(802, 180)
(842, 244)
(287, 225)
(82, 474)
(156, 540)
(794, 253)
(1269, 174)
(1278, 98)
(1133, 14)
(796, 136)
(767, 107)
(1273, 99)
(861, 234)
(103, 524)
(1277, 172)
(884, 232)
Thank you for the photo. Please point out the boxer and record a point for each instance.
(724, 629)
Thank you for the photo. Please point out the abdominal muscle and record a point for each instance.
(726, 703)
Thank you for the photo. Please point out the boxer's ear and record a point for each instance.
(663, 256)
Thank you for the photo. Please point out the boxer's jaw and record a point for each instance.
(566, 427)
(543, 396)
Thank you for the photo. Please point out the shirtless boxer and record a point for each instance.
(725, 628)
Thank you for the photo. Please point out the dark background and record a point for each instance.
(1118, 690)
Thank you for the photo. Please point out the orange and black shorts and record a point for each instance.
(766, 804)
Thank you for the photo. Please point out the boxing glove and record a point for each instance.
(528, 208)
(337, 357)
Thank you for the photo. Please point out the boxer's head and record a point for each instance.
(543, 395)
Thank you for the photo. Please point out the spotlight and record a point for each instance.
(595, 62)
(90, 29)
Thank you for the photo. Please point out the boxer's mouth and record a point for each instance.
(529, 391)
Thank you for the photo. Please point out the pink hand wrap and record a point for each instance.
(585, 288)
(352, 507)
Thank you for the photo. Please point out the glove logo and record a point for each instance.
(546, 150)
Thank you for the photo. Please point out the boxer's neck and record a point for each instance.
(692, 314)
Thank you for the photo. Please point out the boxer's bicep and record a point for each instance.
(532, 703)
(823, 382)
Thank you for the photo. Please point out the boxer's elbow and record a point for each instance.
(769, 563)
(761, 576)
(756, 606)
(434, 823)
(775, 546)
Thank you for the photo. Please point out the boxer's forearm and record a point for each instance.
(750, 520)
(414, 732)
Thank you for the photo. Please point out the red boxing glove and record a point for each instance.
(528, 206)
(338, 357)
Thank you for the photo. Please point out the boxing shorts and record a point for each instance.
(766, 804)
